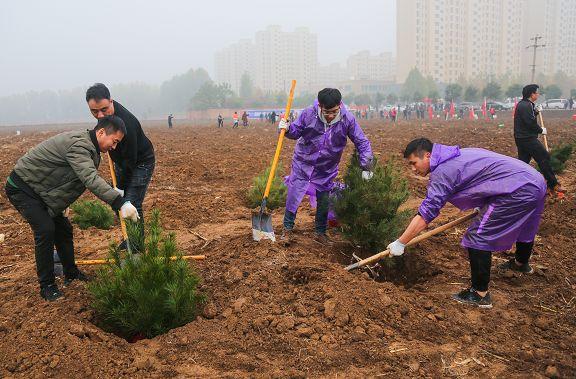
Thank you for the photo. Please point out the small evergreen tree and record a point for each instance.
(148, 293)
(89, 213)
(278, 190)
(559, 156)
(368, 210)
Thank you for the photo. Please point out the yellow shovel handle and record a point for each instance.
(280, 139)
(115, 184)
(103, 261)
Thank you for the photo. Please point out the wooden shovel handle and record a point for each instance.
(115, 184)
(544, 135)
(103, 261)
(280, 140)
(413, 241)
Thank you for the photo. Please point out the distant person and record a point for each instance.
(220, 121)
(526, 131)
(244, 119)
(170, 117)
(492, 113)
(273, 117)
(261, 117)
(235, 120)
(405, 113)
(393, 114)
(571, 103)
(134, 158)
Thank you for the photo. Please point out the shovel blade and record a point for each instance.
(262, 226)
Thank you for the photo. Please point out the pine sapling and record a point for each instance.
(278, 190)
(368, 210)
(87, 213)
(147, 293)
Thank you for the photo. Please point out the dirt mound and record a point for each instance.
(278, 311)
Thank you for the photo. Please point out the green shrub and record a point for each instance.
(368, 210)
(278, 190)
(559, 156)
(147, 293)
(89, 213)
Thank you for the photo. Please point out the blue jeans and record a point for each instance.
(135, 184)
(321, 219)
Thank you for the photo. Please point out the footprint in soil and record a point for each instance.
(407, 270)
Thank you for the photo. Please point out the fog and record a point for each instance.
(66, 44)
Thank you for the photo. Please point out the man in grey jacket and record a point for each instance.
(50, 177)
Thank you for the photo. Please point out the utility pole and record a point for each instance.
(534, 46)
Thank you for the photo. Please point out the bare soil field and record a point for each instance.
(291, 312)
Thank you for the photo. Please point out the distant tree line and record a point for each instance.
(144, 100)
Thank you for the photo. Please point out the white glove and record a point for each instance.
(283, 125)
(396, 248)
(538, 108)
(121, 192)
(367, 175)
(66, 212)
(129, 211)
(544, 131)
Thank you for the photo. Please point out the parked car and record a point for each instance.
(555, 104)
(508, 105)
(497, 106)
(467, 105)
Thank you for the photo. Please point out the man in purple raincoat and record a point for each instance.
(509, 193)
(322, 131)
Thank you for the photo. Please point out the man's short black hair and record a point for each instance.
(111, 124)
(419, 147)
(97, 92)
(528, 90)
(329, 98)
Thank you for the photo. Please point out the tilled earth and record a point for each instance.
(278, 311)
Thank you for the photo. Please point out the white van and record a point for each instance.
(555, 104)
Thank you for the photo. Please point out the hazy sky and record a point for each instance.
(68, 43)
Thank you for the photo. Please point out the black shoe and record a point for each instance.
(51, 292)
(511, 265)
(79, 276)
(470, 296)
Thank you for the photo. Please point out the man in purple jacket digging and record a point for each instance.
(322, 131)
(509, 193)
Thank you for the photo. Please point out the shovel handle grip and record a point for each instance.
(280, 140)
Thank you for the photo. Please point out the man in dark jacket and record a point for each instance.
(49, 178)
(134, 157)
(526, 131)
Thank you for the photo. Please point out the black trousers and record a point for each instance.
(48, 232)
(481, 262)
(529, 148)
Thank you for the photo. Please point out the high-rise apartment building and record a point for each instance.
(232, 62)
(272, 60)
(555, 22)
(364, 66)
(452, 39)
